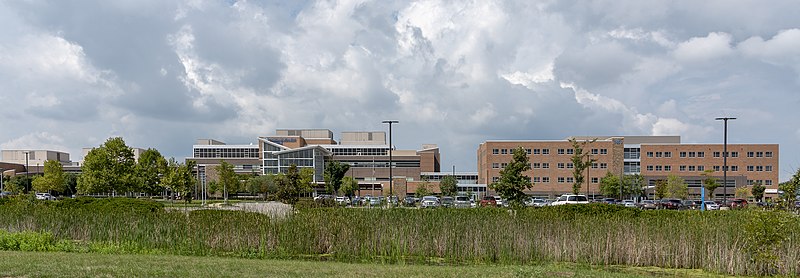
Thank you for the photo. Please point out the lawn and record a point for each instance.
(59, 264)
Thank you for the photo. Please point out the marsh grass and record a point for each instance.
(597, 235)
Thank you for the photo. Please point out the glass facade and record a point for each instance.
(360, 151)
(274, 163)
(633, 153)
(228, 152)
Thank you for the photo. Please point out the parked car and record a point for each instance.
(393, 200)
(447, 201)
(462, 202)
(356, 201)
(342, 200)
(610, 201)
(430, 202)
(5, 194)
(688, 204)
(409, 201)
(737, 203)
(44, 196)
(488, 201)
(711, 205)
(322, 197)
(797, 204)
(628, 203)
(375, 201)
(570, 199)
(536, 202)
(670, 204)
(648, 204)
(500, 202)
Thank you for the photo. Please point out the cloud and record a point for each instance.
(700, 49)
(36, 141)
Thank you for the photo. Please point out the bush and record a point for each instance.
(27, 241)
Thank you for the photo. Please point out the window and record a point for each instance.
(495, 151)
(750, 168)
(595, 180)
(560, 165)
(603, 165)
(701, 154)
(734, 154)
(570, 151)
(495, 165)
(667, 168)
(716, 154)
(537, 179)
(502, 165)
(667, 154)
(537, 165)
(658, 168)
(759, 168)
(751, 154)
(545, 151)
(734, 168)
(595, 165)
(682, 168)
(649, 154)
(649, 167)
(561, 179)
(603, 151)
(659, 154)
(560, 151)
(545, 165)
(570, 165)
(537, 151)
(768, 168)
(683, 154)
(701, 168)
(546, 179)
(768, 154)
(749, 182)
(716, 168)
(759, 154)
(528, 151)
(495, 179)
(570, 180)
(692, 168)
(504, 151)
(767, 182)
(692, 154)
(595, 151)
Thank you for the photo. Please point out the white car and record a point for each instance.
(44, 196)
(570, 199)
(629, 203)
(711, 205)
(536, 202)
(500, 202)
(429, 202)
(342, 200)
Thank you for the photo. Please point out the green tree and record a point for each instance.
(710, 183)
(17, 183)
(789, 189)
(677, 187)
(422, 189)
(610, 185)
(580, 162)
(108, 168)
(449, 186)
(52, 180)
(150, 168)
(333, 174)
(635, 184)
(71, 182)
(179, 179)
(512, 180)
(661, 189)
(288, 185)
(227, 178)
(349, 186)
(758, 191)
(306, 183)
(262, 184)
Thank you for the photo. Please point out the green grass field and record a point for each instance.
(58, 264)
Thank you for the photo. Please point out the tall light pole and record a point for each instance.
(391, 163)
(725, 159)
(27, 171)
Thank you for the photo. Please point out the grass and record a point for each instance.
(594, 235)
(56, 264)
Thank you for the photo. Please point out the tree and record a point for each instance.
(449, 186)
(305, 185)
(108, 168)
(149, 170)
(609, 185)
(789, 189)
(71, 182)
(580, 162)
(288, 185)
(512, 181)
(179, 179)
(349, 186)
(333, 174)
(661, 189)
(17, 183)
(635, 184)
(677, 187)
(53, 178)
(758, 191)
(227, 178)
(709, 182)
(742, 192)
(422, 189)
(262, 184)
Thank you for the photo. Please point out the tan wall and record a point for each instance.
(429, 161)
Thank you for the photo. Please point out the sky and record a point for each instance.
(162, 74)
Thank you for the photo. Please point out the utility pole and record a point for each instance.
(725, 159)
(391, 148)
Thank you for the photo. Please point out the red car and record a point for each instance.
(737, 203)
(488, 201)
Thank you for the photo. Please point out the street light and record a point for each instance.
(27, 171)
(391, 177)
(725, 159)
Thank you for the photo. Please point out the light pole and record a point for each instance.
(27, 172)
(725, 159)
(2, 177)
(391, 177)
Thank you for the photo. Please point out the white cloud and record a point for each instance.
(699, 49)
(36, 141)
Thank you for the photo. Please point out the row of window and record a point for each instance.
(703, 154)
(700, 168)
(762, 182)
(547, 179)
(547, 151)
(545, 165)
(759, 168)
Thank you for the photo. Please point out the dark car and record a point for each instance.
(670, 204)
(610, 201)
(488, 201)
(409, 201)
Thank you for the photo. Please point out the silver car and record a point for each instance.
(429, 202)
(462, 202)
(711, 205)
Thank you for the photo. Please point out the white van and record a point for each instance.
(570, 199)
